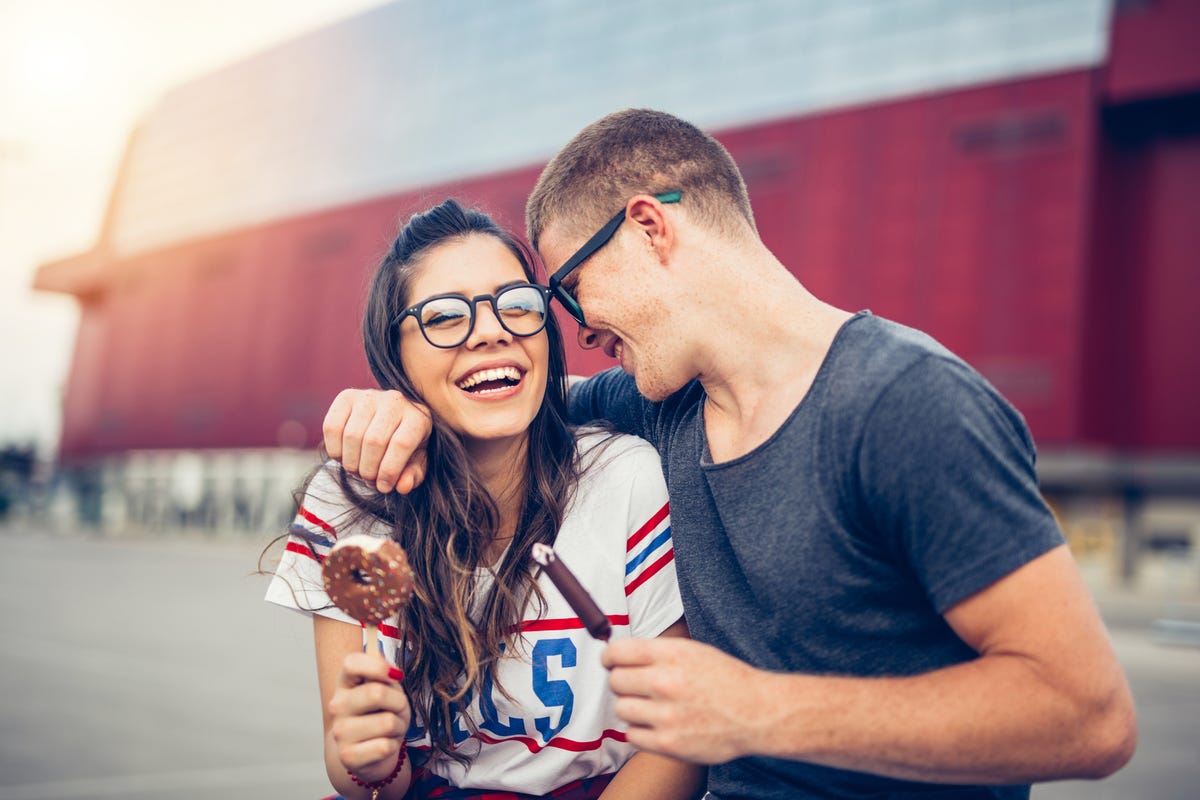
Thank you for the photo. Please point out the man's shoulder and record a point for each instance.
(896, 376)
(872, 354)
(883, 345)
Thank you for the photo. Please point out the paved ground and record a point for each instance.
(150, 668)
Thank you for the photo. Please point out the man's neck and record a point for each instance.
(759, 373)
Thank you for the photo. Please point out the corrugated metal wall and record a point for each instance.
(962, 214)
(1002, 208)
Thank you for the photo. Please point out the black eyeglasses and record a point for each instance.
(446, 320)
(593, 244)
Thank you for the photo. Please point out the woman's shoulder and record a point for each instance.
(327, 502)
(610, 459)
(593, 442)
(324, 483)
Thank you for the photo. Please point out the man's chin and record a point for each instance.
(653, 391)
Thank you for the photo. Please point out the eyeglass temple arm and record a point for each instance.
(603, 235)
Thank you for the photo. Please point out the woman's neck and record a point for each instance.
(501, 467)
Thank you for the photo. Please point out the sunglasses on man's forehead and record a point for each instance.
(589, 248)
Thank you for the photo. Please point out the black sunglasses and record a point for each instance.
(584, 253)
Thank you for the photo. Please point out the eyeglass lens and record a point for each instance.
(447, 321)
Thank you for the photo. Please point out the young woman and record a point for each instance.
(487, 684)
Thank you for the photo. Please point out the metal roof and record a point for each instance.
(416, 93)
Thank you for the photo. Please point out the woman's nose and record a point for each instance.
(487, 327)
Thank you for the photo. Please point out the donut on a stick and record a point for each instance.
(572, 590)
(368, 577)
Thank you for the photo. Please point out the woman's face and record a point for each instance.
(489, 388)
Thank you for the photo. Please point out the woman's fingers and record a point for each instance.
(362, 756)
(369, 710)
(359, 667)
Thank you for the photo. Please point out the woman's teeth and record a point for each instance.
(490, 379)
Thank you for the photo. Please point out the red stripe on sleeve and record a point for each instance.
(651, 524)
(663, 560)
(303, 550)
(315, 520)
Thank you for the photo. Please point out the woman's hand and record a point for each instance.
(369, 715)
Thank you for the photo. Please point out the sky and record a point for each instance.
(75, 77)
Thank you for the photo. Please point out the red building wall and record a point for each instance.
(1155, 50)
(1142, 364)
(967, 214)
(964, 214)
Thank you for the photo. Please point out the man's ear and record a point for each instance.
(654, 227)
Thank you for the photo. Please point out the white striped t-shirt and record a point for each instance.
(559, 725)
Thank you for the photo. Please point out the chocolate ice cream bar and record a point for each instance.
(572, 590)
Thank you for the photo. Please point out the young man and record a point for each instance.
(881, 602)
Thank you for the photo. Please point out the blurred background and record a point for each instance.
(193, 197)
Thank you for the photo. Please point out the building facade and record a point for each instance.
(1018, 179)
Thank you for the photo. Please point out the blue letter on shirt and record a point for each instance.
(553, 693)
(491, 718)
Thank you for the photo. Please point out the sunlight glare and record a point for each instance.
(53, 64)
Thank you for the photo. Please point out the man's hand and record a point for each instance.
(685, 699)
(379, 436)
(1045, 699)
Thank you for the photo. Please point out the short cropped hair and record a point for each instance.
(639, 151)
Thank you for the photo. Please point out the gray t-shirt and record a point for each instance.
(901, 484)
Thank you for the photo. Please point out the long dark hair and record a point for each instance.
(447, 524)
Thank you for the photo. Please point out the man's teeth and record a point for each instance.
(484, 375)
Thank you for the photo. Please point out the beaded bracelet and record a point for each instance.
(375, 786)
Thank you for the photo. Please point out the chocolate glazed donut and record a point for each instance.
(368, 577)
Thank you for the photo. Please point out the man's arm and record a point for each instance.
(380, 436)
(1046, 699)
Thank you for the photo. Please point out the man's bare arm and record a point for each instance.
(1045, 700)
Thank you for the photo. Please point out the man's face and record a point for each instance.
(625, 312)
(562, 280)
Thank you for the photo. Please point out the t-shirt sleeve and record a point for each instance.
(297, 583)
(610, 395)
(651, 586)
(947, 471)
